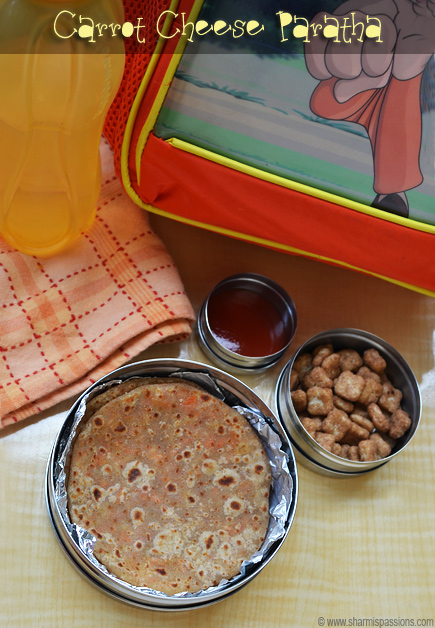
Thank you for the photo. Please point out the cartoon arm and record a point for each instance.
(415, 23)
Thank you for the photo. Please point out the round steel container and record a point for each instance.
(272, 293)
(236, 394)
(306, 449)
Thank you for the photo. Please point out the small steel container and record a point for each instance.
(75, 541)
(262, 288)
(307, 450)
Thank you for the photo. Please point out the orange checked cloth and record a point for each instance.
(68, 320)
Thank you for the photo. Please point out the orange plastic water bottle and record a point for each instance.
(56, 89)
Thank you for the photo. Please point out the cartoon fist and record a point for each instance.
(404, 47)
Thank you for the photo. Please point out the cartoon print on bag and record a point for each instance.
(378, 86)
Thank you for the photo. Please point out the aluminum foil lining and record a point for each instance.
(281, 493)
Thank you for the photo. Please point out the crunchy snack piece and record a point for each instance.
(379, 419)
(320, 348)
(350, 360)
(317, 377)
(344, 451)
(383, 448)
(390, 398)
(353, 453)
(299, 400)
(349, 386)
(343, 404)
(325, 440)
(336, 449)
(302, 364)
(368, 450)
(400, 423)
(294, 380)
(354, 434)
(319, 401)
(362, 421)
(361, 410)
(336, 423)
(389, 439)
(331, 365)
(312, 425)
(365, 372)
(374, 361)
(320, 353)
(370, 393)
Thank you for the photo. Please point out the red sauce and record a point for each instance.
(246, 323)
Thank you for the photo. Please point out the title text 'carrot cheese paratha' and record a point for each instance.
(173, 483)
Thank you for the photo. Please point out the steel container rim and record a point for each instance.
(236, 362)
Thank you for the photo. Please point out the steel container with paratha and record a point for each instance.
(171, 484)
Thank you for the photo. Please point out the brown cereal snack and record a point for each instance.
(336, 423)
(344, 451)
(320, 348)
(362, 421)
(361, 411)
(312, 425)
(342, 404)
(317, 377)
(383, 448)
(294, 380)
(368, 450)
(331, 365)
(299, 400)
(320, 353)
(400, 423)
(349, 385)
(390, 398)
(319, 401)
(365, 372)
(370, 393)
(350, 360)
(337, 449)
(302, 364)
(354, 434)
(325, 440)
(374, 361)
(379, 419)
(353, 453)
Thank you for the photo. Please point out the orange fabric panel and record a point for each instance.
(194, 188)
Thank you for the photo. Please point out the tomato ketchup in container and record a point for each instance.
(246, 323)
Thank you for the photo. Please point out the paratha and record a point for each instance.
(173, 483)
